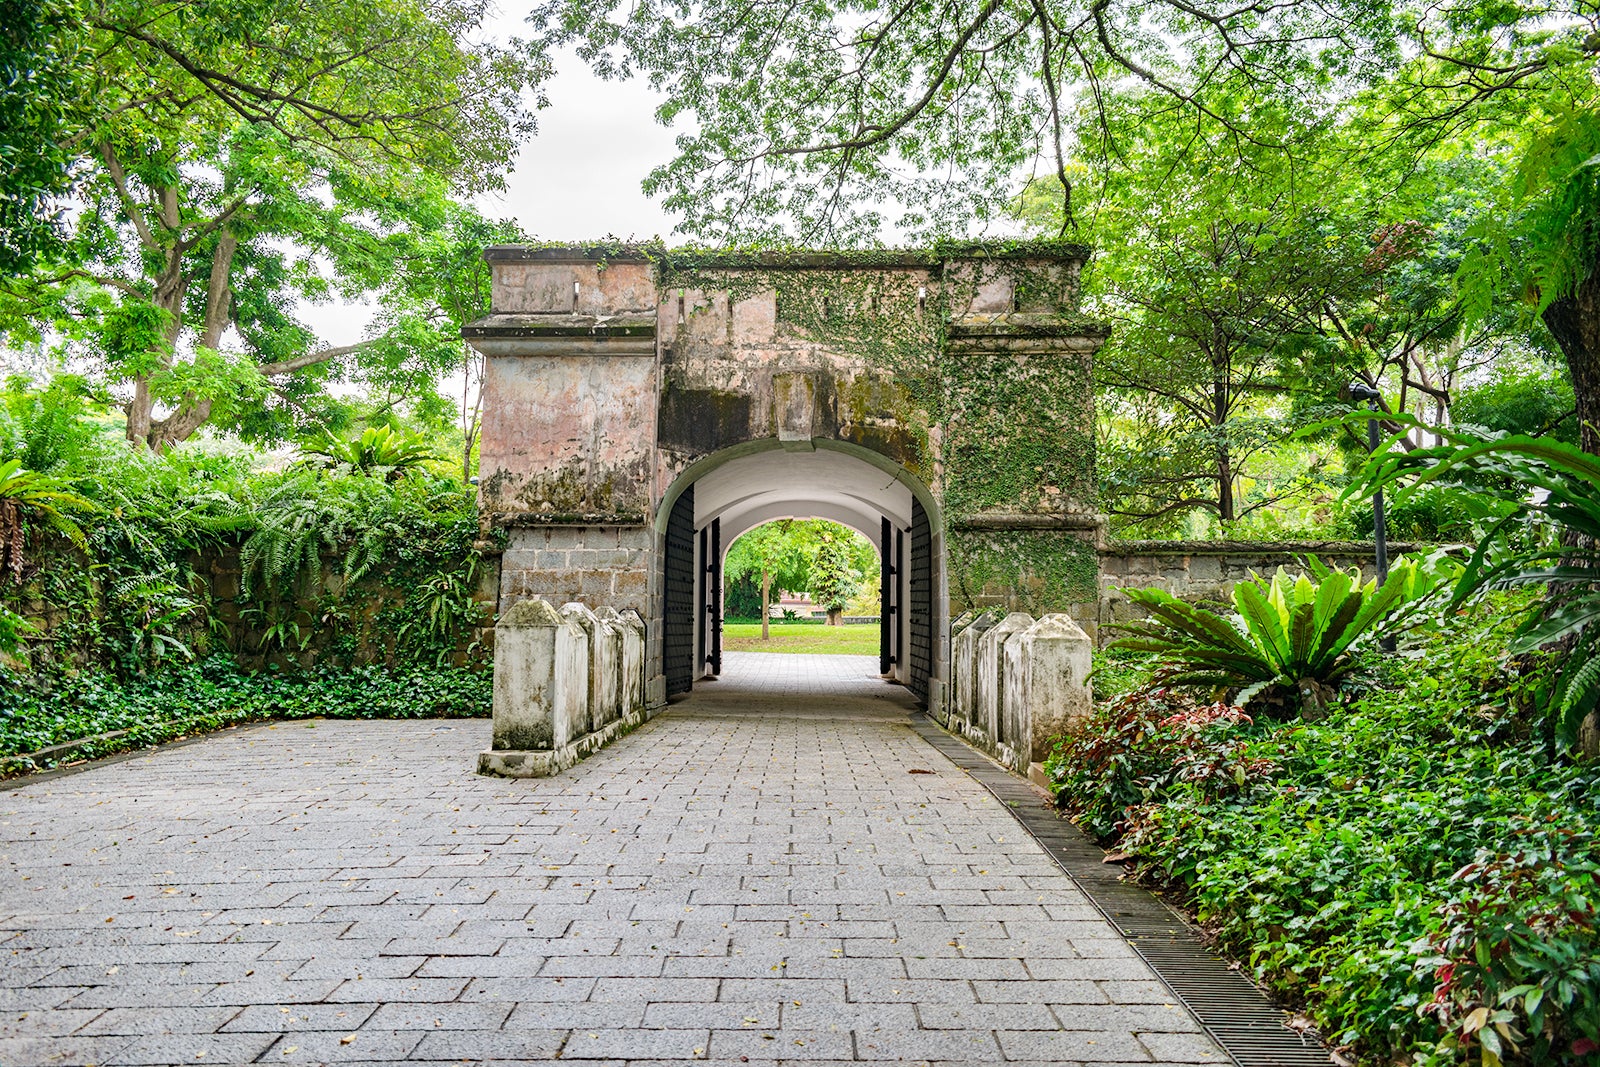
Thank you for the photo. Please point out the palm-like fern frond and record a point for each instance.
(1287, 631)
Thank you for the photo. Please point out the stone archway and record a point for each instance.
(729, 493)
(618, 377)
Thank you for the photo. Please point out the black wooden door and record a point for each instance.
(714, 596)
(921, 606)
(886, 598)
(678, 600)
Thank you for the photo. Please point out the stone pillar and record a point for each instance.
(1047, 689)
(964, 667)
(541, 682)
(607, 707)
(1018, 463)
(991, 678)
(633, 663)
(580, 616)
(568, 455)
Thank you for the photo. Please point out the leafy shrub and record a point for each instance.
(1535, 400)
(1140, 743)
(380, 451)
(1548, 537)
(1517, 961)
(1395, 868)
(40, 710)
(29, 502)
(1431, 517)
(1291, 643)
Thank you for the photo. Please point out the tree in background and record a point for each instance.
(41, 78)
(807, 120)
(442, 284)
(774, 552)
(835, 575)
(232, 149)
(813, 556)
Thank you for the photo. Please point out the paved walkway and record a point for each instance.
(783, 877)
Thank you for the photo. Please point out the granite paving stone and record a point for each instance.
(754, 877)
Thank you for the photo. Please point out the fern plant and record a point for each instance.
(28, 497)
(1292, 641)
(379, 451)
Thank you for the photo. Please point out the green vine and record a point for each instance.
(1036, 571)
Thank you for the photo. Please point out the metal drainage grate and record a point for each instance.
(1236, 1014)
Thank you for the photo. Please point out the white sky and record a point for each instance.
(577, 179)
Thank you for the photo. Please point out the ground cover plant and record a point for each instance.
(1418, 868)
(110, 713)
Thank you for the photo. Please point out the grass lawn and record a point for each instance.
(860, 639)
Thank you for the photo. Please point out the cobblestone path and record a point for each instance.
(764, 874)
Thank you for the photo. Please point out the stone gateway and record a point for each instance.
(643, 407)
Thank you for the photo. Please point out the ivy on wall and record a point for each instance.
(991, 413)
(1036, 571)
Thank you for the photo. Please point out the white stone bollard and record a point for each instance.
(964, 667)
(608, 632)
(991, 677)
(582, 616)
(632, 663)
(540, 690)
(1047, 688)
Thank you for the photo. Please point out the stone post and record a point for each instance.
(964, 666)
(1047, 690)
(991, 688)
(540, 690)
(607, 708)
(633, 663)
(594, 637)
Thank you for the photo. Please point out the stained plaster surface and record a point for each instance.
(757, 876)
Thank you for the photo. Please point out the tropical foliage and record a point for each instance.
(380, 450)
(233, 160)
(1418, 871)
(1545, 537)
(1293, 640)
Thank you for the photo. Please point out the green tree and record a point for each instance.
(836, 570)
(443, 283)
(233, 149)
(40, 82)
(775, 552)
(807, 120)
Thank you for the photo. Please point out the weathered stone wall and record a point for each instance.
(606, 565)
(321, 620)
(1207, 570)
(614, 371)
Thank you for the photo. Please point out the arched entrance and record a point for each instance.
(642, 403)
(728, 493)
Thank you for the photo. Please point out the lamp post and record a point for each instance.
(1380, 533)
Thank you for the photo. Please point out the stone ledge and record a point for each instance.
(539, 334)
(543, 763)
(998, 520)
(518, 520)
(1250, 548)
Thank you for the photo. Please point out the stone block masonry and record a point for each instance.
(600, 565)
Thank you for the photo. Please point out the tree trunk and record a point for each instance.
(766, 606)
(835, 616)
(1219, 423)
(1574, 321)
